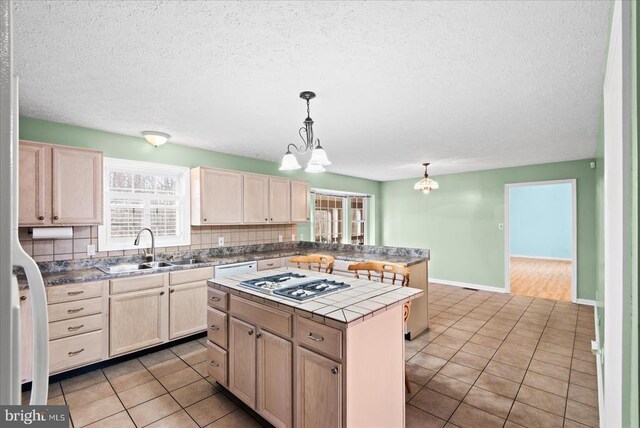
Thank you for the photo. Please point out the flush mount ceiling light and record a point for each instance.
(318, 156)
(425, 184)
(155, 138)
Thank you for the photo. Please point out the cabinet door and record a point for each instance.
(279, 200)
(221, 195)
(319, 391)
(299, 201)
(26, 337)
(242, 361)
(136, 320)
(187, 309)
(275, 388)
(34, 207)
(256, 198)
(77, 186)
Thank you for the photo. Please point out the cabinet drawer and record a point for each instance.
(137, 283)
(319, 337)
(217, 327)
(75, 351)
(190, 275)
(78, 308)
(217, 298)
(217, 367)
(70, 292)
(270, 264)
(270, 319)
(74, 326)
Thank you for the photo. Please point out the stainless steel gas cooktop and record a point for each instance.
(294, 285)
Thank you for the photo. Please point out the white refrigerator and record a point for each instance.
(11, 252)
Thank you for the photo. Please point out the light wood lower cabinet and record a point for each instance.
(318, 390)
(242, 360)
(187, 309)
(137, 321)
(274, 379)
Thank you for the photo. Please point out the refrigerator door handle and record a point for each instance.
(40, 317)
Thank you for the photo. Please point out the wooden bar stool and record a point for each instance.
(315, 262)
(395, 272)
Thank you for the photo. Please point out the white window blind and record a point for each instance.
(142, 194)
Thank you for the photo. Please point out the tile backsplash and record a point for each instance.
(202, 237)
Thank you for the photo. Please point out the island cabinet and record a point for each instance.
(302, 369)
(59, 185)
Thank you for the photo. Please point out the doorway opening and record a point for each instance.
(540, 239)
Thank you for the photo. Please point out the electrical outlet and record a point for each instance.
(500, 226)
(293, 237)
(221, 241)
(279, 238)
(91, 250)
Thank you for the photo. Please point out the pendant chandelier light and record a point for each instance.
(318, 156)
(425, 184)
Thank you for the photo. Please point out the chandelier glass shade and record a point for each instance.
(425, 184)
(319, 157)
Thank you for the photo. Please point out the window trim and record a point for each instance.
(151, 168)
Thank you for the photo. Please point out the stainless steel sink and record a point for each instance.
(134, 267)
(185, 262)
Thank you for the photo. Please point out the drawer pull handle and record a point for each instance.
(269, 264)
(55, 217)
(215, 299)
(171, 290)
(214, 328)
(250, 332)
(41, 217)
(74, 293)
(214, 364)
(73, 311)
(23, 298)
(73, 353)
(315, 339)
(334, 370)
(162, 293)
(74, 328)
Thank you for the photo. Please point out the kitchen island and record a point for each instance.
(333, 360)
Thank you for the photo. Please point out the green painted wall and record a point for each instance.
(459, 221)
(134, 148)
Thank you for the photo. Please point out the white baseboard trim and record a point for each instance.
(586, 302)
(468, 285)
(542, 258)
(599, 371)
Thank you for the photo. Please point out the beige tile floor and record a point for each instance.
(488, 360)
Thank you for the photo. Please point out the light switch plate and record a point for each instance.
(221, 241)
(91, 250)
(279, 238)
(293, 237)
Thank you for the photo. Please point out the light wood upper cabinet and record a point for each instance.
(59, 185)
(137, 320)
(319, 391)
(299, 201)
(216, 196)
(242, 361)
(187, 309)
(279, 200)
(275, 384)
(35, 186)
(256, 198)
(76, 186)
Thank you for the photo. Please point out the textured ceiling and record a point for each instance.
(463, 85)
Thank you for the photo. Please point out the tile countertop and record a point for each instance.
(363, 299)
(68, 276)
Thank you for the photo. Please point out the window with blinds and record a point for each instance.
(340, 217)
(139, 195)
